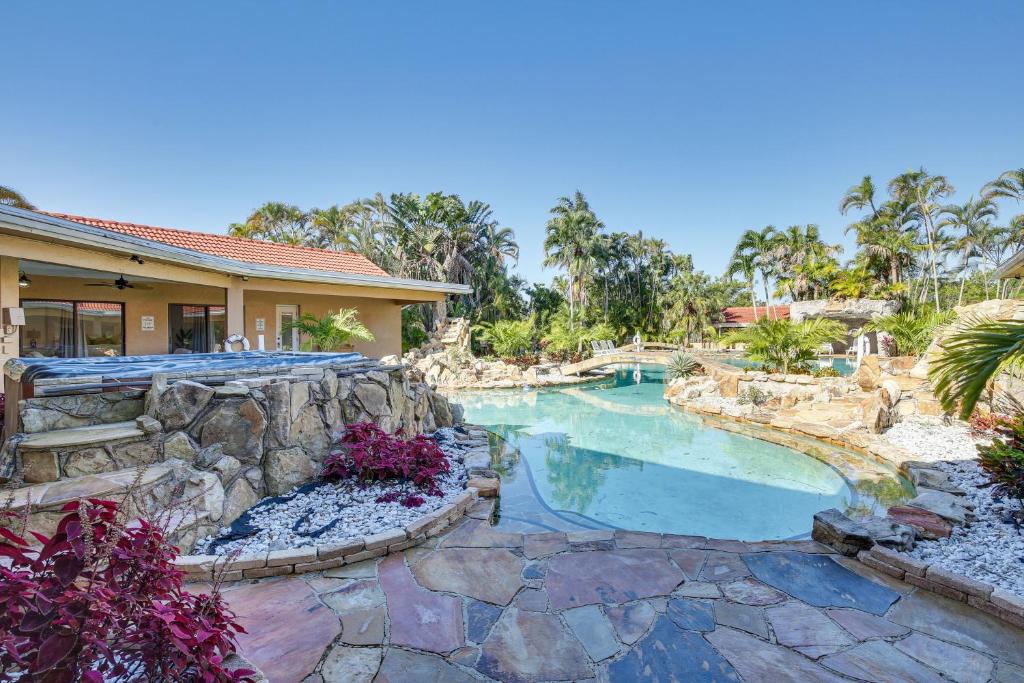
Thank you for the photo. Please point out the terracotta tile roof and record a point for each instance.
(239, 248)
(744, 315)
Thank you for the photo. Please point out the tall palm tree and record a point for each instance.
(571, 235)
(859, 196)
(924, 191)
(973, 217)
(745, 264)
(11, 197)
(761, 245)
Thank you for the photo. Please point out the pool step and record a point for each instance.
(40, 453)
(81, 436)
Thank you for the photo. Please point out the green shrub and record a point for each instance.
(911, 331)
(754, 396)
(785, 346)
(508, 337)
(682, 365)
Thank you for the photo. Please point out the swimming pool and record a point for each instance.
(614, 455)
(843, 366)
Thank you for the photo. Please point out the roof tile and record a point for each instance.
(239, 248)
(744, 315)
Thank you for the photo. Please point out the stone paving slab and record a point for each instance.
(473, 605)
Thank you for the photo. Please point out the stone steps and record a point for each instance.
(40, 453)
(81, 436)
(45, 500)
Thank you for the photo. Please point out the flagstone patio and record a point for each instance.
(475, 605)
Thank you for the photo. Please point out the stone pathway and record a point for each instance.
(478, 605)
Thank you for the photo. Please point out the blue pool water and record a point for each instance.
(843, 366)
(614, 454)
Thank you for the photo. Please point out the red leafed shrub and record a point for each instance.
(101, 600)
(988, 424)
(368, 453)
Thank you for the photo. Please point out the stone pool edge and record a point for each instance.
(998, 602)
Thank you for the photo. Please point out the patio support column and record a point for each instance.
(235, 308)
(9, 298)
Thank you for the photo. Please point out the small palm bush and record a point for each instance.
(508, 338)
(682, 365)
(785, 346)
(911, 331)
(332, 331)
(973, 357)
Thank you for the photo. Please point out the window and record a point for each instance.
(196, 328)
(70, 329)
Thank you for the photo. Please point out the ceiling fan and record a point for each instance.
(119, 283)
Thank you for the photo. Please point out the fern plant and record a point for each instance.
(508, 337)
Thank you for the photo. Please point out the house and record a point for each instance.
(744, 316)
(72, 286)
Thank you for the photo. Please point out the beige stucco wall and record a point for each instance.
(8, 299)
(382, 316)
(137, 303)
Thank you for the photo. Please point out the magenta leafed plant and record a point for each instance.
(101, 600)
(368, 454)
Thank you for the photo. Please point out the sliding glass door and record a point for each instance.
(70, 329)
(195, 328)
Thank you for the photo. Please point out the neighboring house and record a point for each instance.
(744, 316)
(90, 287)
(1013, 269)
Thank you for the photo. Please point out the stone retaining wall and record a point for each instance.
(321, 557)
(995, 601)
(45, 414)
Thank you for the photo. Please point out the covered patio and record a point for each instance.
(78, 287)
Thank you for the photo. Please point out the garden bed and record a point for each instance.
(324, 512)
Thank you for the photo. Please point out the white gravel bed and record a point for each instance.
(990, 549)
(932, 440)
(350, 511)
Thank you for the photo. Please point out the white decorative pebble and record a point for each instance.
(287, 524)
(990, 549)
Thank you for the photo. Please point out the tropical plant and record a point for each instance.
(859, 196)
(784, 345)
(760, 248)
(275, 222)
(368, 454)
(972, 357)
(681, 365)
(1009, 185)
(562, 337)
(924, 192)
(11, 197)
(911, 331)
(974, 219)
(331, 331)
(570, 243)
(508, 337)
(1003, 460)
(101, 600)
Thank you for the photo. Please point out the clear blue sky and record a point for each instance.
(691, 122)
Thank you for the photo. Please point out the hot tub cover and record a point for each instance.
(31, 370)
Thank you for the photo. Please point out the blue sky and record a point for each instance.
(691, 122)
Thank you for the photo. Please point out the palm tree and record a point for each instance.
(745, 264)
(859, 196)
(332, 331)
(761, 247)
(275, 222)
(1009, 185)
(11, 197)
(572, 232)
(784, 345)
(972, 358)
(972, 218)
(924, 191)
